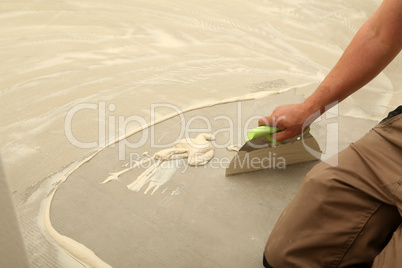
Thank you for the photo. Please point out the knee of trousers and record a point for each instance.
(285, 246)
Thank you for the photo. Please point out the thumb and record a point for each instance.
(265, 121)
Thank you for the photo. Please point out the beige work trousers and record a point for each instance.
(348, 215)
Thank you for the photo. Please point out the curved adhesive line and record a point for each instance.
(80, 251)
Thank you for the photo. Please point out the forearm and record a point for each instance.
(371, 50)
(374, 46)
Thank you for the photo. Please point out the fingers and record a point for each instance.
(284, 135)
(290, 119)
(279, 136)
(273, 121)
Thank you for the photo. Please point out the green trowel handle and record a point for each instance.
(262, 131)
(265, 131)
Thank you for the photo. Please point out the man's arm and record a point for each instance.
(374, 46)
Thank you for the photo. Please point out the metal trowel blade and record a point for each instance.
(260, 153)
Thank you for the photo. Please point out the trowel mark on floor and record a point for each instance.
(165, 163)
(157, 175)
(176, 191)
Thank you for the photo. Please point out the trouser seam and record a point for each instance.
(353, 238)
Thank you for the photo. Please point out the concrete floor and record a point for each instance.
(200, 217)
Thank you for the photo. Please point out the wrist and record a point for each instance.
(312, 106)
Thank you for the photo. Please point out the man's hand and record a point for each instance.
(292, 119)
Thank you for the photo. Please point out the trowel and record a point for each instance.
(261, 151)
